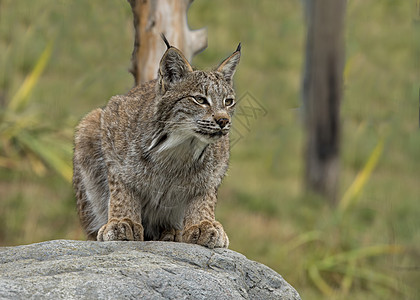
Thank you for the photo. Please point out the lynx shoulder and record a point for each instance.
(148, 165)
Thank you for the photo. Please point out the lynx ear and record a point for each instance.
(228, 66)
(173, 66)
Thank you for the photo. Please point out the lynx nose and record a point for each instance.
(222, 122)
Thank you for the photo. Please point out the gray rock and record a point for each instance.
(134, 270)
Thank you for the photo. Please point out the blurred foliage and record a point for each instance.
(366, 249)
(25, 137)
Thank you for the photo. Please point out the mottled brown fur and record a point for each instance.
(148, 165)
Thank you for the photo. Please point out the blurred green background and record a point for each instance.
(61, 59)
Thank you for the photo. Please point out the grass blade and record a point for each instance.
(20, 99)
(320, 283)
(345, 257)
(49, 154)
(303, 239)
(362, 177)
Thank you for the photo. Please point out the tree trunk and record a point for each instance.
(322, 90)
(153, 17)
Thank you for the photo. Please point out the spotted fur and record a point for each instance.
(148, 165)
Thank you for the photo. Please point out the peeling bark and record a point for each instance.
(153, 17)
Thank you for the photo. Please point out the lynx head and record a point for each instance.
(194, 103)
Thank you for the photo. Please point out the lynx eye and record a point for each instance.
(229, 102)
(200, 100)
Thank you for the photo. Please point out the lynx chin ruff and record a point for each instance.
(148, 165)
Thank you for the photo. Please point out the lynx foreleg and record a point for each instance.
(200, 226)
(124, 214)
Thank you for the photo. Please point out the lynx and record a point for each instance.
(149, 164)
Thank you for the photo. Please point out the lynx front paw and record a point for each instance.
(121, 230)
(208, 233)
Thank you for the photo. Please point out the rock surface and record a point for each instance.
(134, 270)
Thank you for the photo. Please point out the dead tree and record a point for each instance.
(153, 17)
(322, 91)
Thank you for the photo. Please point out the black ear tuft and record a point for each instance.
(228, 66)
(165, 40)
(238, 49)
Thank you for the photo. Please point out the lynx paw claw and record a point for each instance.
(208, 233)
(121, 230)
(171, 235)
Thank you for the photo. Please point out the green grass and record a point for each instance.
(369, 250)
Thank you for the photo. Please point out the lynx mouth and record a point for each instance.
(216, 134)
